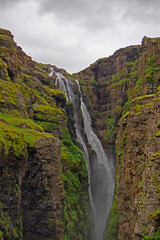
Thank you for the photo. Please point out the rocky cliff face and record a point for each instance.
(43, 180)
(111, 83)
(122, 94)
(138, 146)
(44, 185)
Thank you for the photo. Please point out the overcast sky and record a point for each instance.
(72, 34)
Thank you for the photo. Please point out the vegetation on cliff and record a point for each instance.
(44, 182)
(44, 185)
(126, 96)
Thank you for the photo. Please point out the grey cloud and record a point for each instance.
(9, 3)
(144, 11)
(95, 27)
(93, 13)
(97, 14)
(57, 54)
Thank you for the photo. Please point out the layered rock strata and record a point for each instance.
(43, 180)
(122, 95)
(44, 185)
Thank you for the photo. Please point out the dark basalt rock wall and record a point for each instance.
(138, 148)
(42, 191)
(122, 95)
(111, 83)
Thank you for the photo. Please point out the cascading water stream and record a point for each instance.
(71, 90)
(102, 192)
(100, 171)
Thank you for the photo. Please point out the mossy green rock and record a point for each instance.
(44, 181)
(36, 202)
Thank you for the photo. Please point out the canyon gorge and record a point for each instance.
(80, 154)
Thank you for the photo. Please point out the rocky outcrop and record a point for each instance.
(122, 95)
(111, 83)
(104, 85)
(138, 146)
(44, 181)
(42, 191)
(31, 188)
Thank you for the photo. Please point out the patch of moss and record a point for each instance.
(29, 80)
(51, 222)
(120, 82)
(154, 218)
(143, 97)
(140, 103)
(150, 72)
(156, 154)
(40, 69)
(122, 73)
(49, 127)
(68, 75)
(118, 110)
(134, 73)
(157, 134)
(47, 113)
(94, 82)
(126, 114)
(26, 91)
(110, 122)
(143, 159)
(3, 71)
(76, 203)
(109, 134)
(158, 125)
(20, 122)
(10, 97)
(11, 139)
(32, 136)
(58, 95)
(120, 152)
(14, 137)
(6, 41)
(9, 229)
(155, 179)
(130, 64)
(140, 185)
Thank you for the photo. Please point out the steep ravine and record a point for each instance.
(44, 189)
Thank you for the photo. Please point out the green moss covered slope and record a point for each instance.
(44, 181)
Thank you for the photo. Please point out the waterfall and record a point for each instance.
(100, 171)
(52, 72)
(102, 185)
(70, 88)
